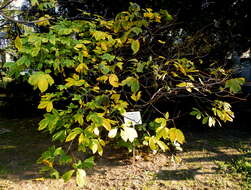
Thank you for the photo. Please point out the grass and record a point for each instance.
(240, 166)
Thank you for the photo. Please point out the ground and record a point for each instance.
(198, 167)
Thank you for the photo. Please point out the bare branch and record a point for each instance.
(22, 21)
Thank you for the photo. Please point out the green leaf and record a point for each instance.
(50, 122)
(54, 173)
(81, 177)
(108, 57)
(67, 175)
(132, 82)
(60, 135)
(234, 85)
(176, 135)
(89, 162)
(73, 134)
(79, 118)
(135, 45)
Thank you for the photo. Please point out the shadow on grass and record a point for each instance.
(20, 148)
(223, 144)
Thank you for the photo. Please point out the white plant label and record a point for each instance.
(132, 118)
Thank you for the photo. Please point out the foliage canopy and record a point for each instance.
(90, 72)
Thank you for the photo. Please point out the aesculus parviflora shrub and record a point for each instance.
(90, 72)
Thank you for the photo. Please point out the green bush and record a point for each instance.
(90, 72)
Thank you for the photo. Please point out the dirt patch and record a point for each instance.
(196, 168)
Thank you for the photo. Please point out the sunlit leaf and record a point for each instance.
(112, 133)
(41, 80)
(129, 133)
(73, 134)
(46, 105)
(136, 96)
(81, 177)
(67, 175)
(176, 135)
(113, 80)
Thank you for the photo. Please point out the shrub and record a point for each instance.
(89, 73)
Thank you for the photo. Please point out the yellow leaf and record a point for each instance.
(39, 179)
(149, 15)
(78, 46)
(49, 106)
(44, 21)
(41, 80)
(42, 84)
(81, 67)
(18, 43)
(115, 97)
(176, 135)
(85, 53)
(136, 96)
(48, 163)
(161, 42)
(104, 46)
(157, 18)
(107, 124)
(102, 78)
(113, 80)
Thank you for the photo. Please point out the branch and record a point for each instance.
(22, 21)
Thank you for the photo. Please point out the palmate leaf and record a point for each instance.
(41, 80)
(234, 85)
